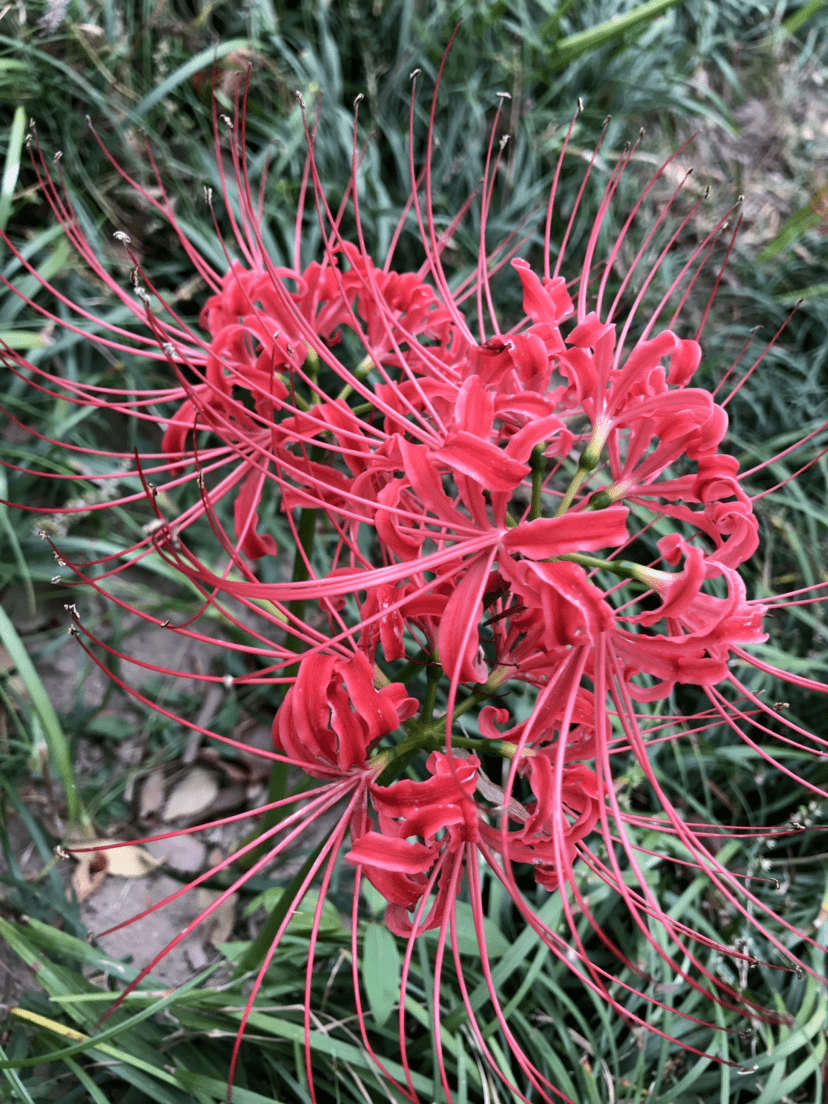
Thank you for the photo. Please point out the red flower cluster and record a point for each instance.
(545, 517)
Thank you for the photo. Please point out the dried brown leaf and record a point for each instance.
(192, 795)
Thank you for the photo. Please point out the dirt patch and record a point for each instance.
(776, 154)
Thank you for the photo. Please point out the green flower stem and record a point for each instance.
(414, 666)
(625, 569)
(425, 735)
(361, 372)
(538, 466)
(434, 675)
(586, 465)
(311, 369)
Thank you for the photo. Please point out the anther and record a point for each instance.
(358, 100)
(504, 95)
(57, 580)
(300, 98)
(208, 195)
(227, 682)
(121, 236)
(228, 122)
(414, 74)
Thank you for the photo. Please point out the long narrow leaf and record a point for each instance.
(611, 30)
(56, 742)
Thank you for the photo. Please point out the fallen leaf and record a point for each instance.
(89, 874)
(192, 795)
(219, 927)
(183, 854)
(123, 860)
(152, 794)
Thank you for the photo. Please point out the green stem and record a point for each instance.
(430, 735)
(538, 471)
(590, 458)
(625, 569)
(430, 699)
(414, 666)
(578, 481)
(361, 372)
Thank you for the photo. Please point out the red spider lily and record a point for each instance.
(546, 511)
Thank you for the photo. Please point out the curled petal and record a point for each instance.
(333, 716)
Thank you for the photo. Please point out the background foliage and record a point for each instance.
(145, 74)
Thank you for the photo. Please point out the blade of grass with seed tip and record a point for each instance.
(56, 742)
